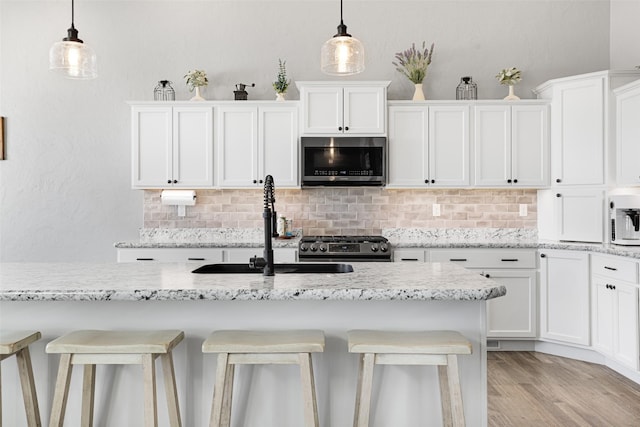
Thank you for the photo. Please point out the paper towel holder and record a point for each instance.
(179, 198)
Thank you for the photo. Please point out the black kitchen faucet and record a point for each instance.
(269, 215)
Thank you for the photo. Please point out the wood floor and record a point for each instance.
(537, 389)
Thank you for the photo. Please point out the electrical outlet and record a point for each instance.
(523, 209)
(436, 209)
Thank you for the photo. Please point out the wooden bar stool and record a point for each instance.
(17, 343)
(410, 348)
(262, 347)
(91, 348)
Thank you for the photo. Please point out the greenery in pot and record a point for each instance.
(282, 83)
(196, 78)
(413, 63)
(509, 76)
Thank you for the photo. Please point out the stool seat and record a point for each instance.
(242, 341)
(116, 342)
(97, 347)
(408, 342)
(14, 341)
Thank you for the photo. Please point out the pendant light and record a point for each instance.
(342, 55)
(72, 57)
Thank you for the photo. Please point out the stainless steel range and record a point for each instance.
(344, 248)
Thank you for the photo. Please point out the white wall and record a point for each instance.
(65, 186)
(625, 34)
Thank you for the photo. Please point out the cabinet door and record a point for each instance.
(602, 322)
(449, 146)
(192, 147)
(564, 296)
(580, 215)
(364, 110)
(278, 145)
(408, 152)
(626, 344)
(151, 138)
(628, 137)
(529, 145)
(513, 315)
(492, 145)
(237, 146)
(578, 133)
(322, 109)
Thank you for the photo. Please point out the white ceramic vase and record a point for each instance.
(280, 96)
(511, 96)
(418, 94)
(197, 96)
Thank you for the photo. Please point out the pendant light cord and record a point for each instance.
(72, 14)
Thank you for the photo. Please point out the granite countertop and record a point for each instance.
(175, 282)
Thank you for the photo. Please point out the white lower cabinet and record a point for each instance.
(208, 255)
(615, 309)
(564, 296)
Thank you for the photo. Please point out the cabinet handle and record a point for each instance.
(509, 259)
(558, 195)
(515, 181)
(457, 259)
(610, 268)
(339, 128)
(543, 256)
(408, 259)
(346, 128)
(612, 287)
(195, 259)
(508, 181)
(558, 180)
(144, 259)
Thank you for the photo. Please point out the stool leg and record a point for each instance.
(308, 390)
(219, 390)
(170, 389)
(363, 394)
(444, 396)
(457, 410)
(61, 392)
(228, 393)
(150, 405)
(28, 388)
(88, 395)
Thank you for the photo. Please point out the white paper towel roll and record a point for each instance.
(178, 197)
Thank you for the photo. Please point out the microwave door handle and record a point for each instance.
(635, 220)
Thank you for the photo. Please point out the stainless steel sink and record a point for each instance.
(317, 268)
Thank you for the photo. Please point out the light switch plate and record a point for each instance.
(523, 209)
(436, 209)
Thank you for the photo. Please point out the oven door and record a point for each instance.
(343, 161)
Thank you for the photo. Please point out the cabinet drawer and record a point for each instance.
(487, 258)
(615, 268)
(170, 254)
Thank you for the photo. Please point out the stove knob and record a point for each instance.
(323, 248)
(304, 247)
(314, 247)
(384, 247)
(374, 247)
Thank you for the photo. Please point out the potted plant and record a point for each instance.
(195, 80)
(413, 64)
(282, 83)
(509, 76)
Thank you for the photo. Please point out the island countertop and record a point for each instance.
(175, 282)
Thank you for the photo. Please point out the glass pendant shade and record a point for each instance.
(73, 59)
(342, 55)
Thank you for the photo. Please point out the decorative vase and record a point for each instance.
(197, 96)
(511, 96)
(280, 96)
(418, 95)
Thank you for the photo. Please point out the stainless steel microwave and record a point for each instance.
(343, 161)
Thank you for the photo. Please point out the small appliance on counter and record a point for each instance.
(344, 249)
(624, 213)
(240, 94)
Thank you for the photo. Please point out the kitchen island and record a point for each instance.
(57, 298)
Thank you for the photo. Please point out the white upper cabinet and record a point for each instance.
(172, 146)
(628, 134)
(428, 145)
(254, 141)
(580, 214)
(511, 145)
(353, 108)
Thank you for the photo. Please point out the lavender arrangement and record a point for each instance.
(413, 63)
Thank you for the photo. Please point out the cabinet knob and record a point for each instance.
(515, 181)
(508, 181)
(558, 195)
(346, 128)
(558, 180)
(543, 256)
(168, 181)
(487, 276)
(426, 181)
(339, 128)
(433, 181)
(255, 181)
(261, 182)
(175, 181)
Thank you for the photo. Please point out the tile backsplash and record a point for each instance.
(326, 211)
